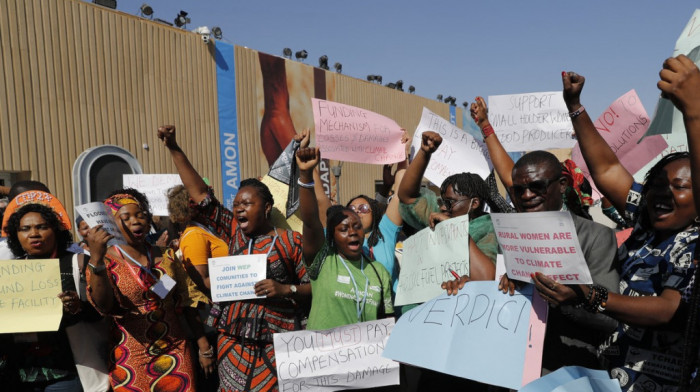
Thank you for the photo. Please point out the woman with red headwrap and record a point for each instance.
(141, 287)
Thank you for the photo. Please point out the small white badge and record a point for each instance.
(343, 279)
(163, 286)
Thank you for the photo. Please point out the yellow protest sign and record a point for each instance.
(28, 296)
(279, 193)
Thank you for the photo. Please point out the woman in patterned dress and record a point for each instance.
(142, 288)
(246, 357)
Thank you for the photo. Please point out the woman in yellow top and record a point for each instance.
(197, 242)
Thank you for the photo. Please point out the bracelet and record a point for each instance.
(603, 299)
(310, 185)
(487, 131)
(96, 269)
(207, 354)
(586, 300)
(577, 113)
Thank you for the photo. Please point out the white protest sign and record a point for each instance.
(233, 277)
(534, 121)
(155, 187)
(347, 357)
(459, 151)
(428, 257)
(97, 213)
(500, 267)
(544, 242)
(668, 119)
(353, 134)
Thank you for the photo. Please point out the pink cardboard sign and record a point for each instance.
(622, 125)
(352, 134)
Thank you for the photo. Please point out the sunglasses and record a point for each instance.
(451, 203)
(539, 187)
(360, 208)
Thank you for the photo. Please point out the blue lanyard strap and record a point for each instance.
(358, 307)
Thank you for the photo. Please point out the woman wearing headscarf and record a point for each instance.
(142, 288)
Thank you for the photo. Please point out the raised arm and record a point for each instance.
(194, 183)
(502, 162)
(680, 82)
(312, 231)
(409, 188)
(611, 178)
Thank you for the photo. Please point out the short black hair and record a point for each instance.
(334, 216)
(260, 187)
(24, 186)
(539, 157)
(63, 236)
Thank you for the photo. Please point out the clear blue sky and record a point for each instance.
(461, 48)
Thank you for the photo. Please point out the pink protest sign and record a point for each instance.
(352, 134)
(622, 125)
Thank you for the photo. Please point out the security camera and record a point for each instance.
(204, 32)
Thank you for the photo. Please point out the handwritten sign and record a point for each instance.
(466, 335)
(96, 213)
(543, 242)
(28, 296)
(428, 257)
(534, 121)
(279, 192)
(351, 134)
(459, 151)
(155, 187)
(233, 277)
(622, 125)
(347, 357)
(668, 119)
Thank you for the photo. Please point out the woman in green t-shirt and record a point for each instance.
(347, 286)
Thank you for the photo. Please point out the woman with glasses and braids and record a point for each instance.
(461, 194)
(656, 262)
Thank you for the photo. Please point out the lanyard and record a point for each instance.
(272, 245)
(358, 307)
(146, 270)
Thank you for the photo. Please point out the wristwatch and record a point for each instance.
(292, 290)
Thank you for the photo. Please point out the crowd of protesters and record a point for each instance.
(139, 316)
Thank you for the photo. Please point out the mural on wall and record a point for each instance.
(284, 106)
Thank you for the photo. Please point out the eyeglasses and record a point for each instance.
(361, 208)
(451, 203)
(539, 187)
